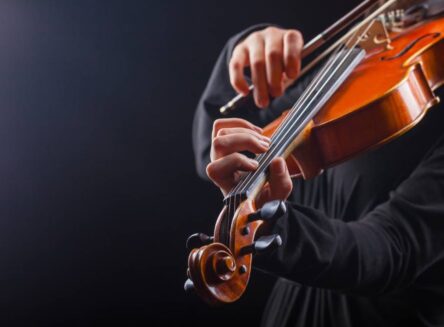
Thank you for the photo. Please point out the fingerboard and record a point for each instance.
(319, 91)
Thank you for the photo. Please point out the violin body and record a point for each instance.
(385, 95)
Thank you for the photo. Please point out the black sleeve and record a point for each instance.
(399, 243)
(219, 91)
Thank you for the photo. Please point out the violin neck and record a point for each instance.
(321, 88)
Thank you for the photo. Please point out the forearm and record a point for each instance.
(387, 250)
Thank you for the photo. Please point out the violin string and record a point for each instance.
(282, 132)
(277, 147)
(357, 29)
(294, 120)
(287, 119)
(289, 116)
(367, 20)
(293, 111)
(304, 97)
(286, 136)
(232, 201)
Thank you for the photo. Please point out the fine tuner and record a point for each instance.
(392, 20)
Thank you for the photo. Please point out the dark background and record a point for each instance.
(98, 190)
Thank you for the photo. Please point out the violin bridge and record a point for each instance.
(373, 35)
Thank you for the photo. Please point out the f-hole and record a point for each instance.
(411, 45)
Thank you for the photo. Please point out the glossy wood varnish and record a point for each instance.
(385, 96)
(382, 99)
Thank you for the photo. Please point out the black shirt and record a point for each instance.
(363, 243)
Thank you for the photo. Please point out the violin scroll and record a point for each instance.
(212, 269)
(197, 240)
(219, 273)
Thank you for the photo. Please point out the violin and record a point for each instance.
(377, 83)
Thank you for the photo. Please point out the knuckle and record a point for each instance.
(253, 36)
(218, 124)
(238, 48)
(222, 132)
(238, 159)
(293, 35)
(274, 55)
(271, 30)
(218, 143)
(237, 156)
(296, 34)
(252, 140)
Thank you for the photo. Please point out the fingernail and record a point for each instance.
(265, 144)
(266, 138)
(254, 162)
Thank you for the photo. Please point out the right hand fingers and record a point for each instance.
(293, 45)
(275, 64)
(225, 172)
(256, 50)
(269, 53)
(238, 62)
(250, 53)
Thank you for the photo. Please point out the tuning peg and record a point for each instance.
(198, 240)
(188, 286)
(263, 244)
(269, 211)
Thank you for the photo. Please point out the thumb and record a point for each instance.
(280, 181)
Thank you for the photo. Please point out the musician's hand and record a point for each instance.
(273, 55)
(232, 135)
